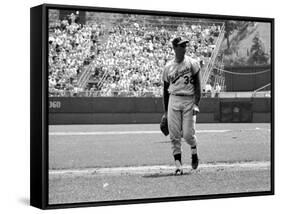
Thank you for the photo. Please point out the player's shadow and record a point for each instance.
(167, 174)
(168, 142)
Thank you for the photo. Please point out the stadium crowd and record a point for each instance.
(126, 59)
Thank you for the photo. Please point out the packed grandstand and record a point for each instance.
(99, 59)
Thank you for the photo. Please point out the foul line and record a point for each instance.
(124, 132)
(239, 166)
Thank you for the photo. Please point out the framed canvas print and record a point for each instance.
(131, 106)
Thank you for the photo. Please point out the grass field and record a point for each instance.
(118, 162)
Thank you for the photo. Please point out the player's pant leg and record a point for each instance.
(174, 124)
(188, 128)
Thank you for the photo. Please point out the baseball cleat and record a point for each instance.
(179, 172)
(195, 161)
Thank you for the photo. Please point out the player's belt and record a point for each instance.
(183, 95)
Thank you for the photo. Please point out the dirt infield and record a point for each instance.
(69, 189)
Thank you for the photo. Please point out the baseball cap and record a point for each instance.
(178, 41)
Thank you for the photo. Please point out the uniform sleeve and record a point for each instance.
(194, 66)
(164, 75)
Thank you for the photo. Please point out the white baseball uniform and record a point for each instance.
(181, 121)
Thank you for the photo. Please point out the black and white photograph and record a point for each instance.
(140, 107)
(146, 106)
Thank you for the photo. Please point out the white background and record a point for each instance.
(14, 137)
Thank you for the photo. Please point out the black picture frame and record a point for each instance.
(39, 120)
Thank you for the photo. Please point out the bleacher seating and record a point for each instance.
(125, 59)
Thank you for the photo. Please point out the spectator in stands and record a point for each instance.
(76, 90)
(217, 89)
(92, 91)
(208, 89)
(125, 58)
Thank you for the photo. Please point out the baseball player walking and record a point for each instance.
(181, 96)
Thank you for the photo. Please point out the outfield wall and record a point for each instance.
(128, 110)
(261, 76)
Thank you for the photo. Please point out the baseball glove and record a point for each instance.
(164, 125)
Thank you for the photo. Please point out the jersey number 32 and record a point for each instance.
(188, 80)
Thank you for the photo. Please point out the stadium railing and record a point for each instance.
(247, 94)
(100, 94)
(212, 60)
(261, 94)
